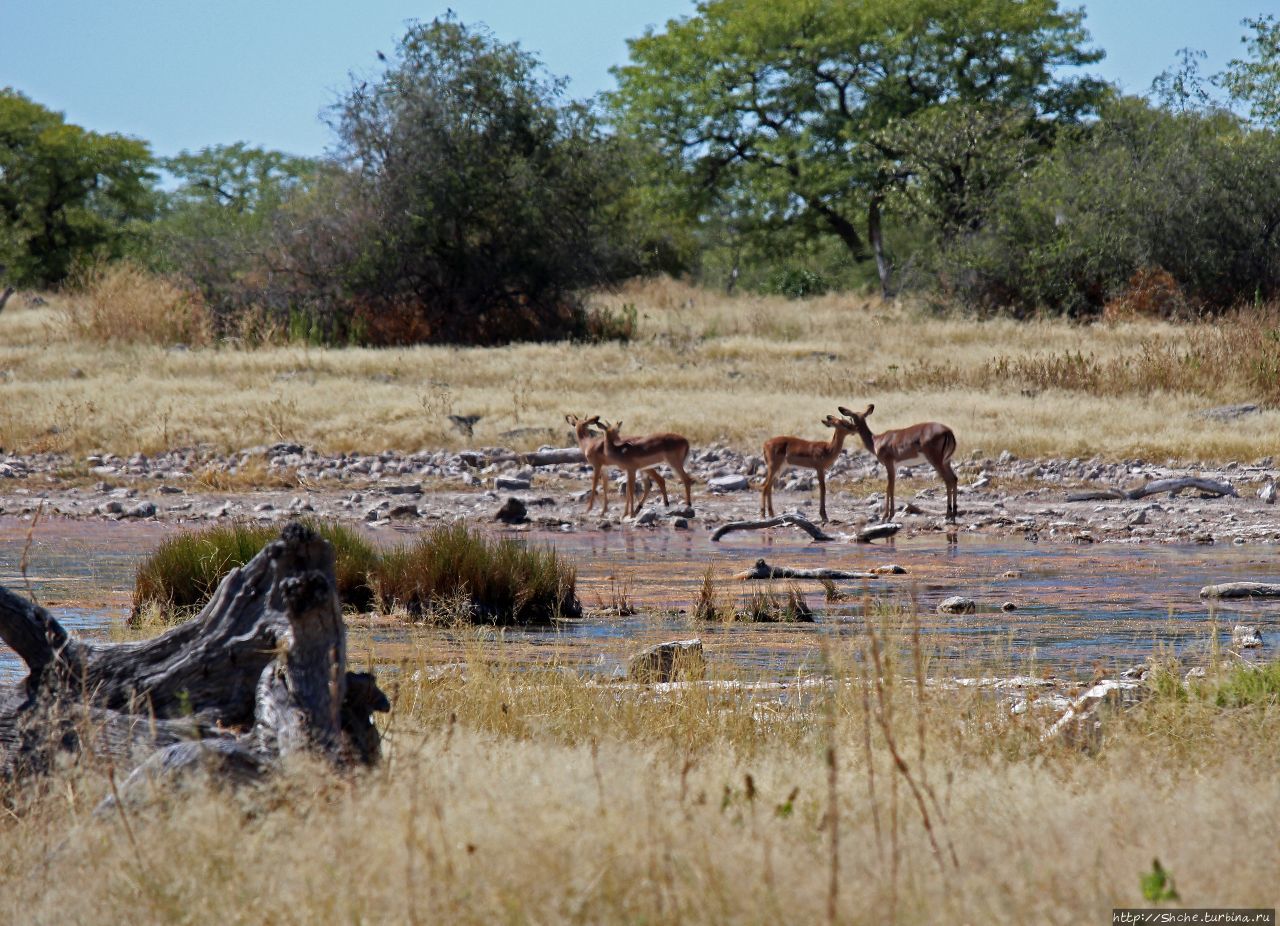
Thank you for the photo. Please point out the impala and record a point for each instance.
(592, 446)
(812, 454)
(637, 453)
(928, 440)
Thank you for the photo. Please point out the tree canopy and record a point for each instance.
(795, 111)
(66, 194)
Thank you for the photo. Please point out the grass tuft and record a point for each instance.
(123, 304)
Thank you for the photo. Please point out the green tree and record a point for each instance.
(489, 200)
(217, 224)
(797, 108)
(67, 195)
(1255, 81)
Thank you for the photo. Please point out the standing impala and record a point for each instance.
(592, 446)
(636, 453)
(928, 440)
(813, 454)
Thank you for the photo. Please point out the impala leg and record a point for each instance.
(687, 480)
(595, 477)
(822, 495)
(766, 492)
(888, 501)
(953, 503)
(644, 488)
(631, 493)
(662, 485)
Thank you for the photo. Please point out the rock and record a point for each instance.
(144, 510)
(412, 488)
(957, 604)
(113, 508)
(646, 517)
(889, 569)
(513, 511)
(512, 483)
(680, 524)
(685, 512)
(1228, 412)
(732, 483)
(402, 511)
(1241, 590)
(170, 490)
(1245, 636)
(1268, 493)
(1138, 518)
(1008, 606)
(664, 661)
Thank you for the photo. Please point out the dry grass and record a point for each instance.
(121, 303)
(736, 370)
(518, 797)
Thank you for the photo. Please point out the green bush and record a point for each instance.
(448, 571)
(797, 283)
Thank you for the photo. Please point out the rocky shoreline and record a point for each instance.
(999, 496)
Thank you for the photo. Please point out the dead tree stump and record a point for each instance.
(259, 674)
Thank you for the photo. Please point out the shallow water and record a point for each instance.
(1079, 607)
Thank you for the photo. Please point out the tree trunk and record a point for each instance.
(258, 675)
(875, 233)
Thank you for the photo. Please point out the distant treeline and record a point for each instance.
(958, 150)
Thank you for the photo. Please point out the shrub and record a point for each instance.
(121, 302)
(183, 572)
(797, 283)
(500, 581)
(449, 570)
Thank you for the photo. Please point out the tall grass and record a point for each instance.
(451, 571)
(501, 581)
(511, 795)
(121, 303)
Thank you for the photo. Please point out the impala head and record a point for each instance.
(840, 424)
(854, 416)
(582, 426)
(611, 430)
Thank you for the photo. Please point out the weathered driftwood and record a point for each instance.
(530, 458)
(876, 531)
(762, 570)
(1241, 590)
(258, 675)
(1172, 486)
(798, 520)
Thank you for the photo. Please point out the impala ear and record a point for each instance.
(867, 413)
(572, 419)
(618, 426)
(844, 411)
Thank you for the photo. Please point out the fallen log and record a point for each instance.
(1172, 486)
(258, 675)
(762, 570)
(795, 519)
(530, 458)
(1241, 590)
(876, 531)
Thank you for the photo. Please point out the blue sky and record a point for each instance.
(189, 73)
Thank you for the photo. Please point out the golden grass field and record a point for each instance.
(737, 370)
(516, 797)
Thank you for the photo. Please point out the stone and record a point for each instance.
(646, 517)
(144, 510)
(513, 511)
(412, 488)
(402, 511)
(1245, 636)
(685, 512)
(680, 524)
(1228, 412)
(1268, 492)
(890, 569)
(957, 604)
(663, 662)
(732, 483)
(1008, 606)
(512, 483)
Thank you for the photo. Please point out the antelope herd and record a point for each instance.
(928, 441)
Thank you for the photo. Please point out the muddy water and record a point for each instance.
(1078, 607)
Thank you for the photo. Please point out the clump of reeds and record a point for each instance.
(183, 572)
(123, 303)
(506, 580)
(451, 572)
(765, 606)
(708, 606)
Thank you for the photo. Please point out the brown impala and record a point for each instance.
(592, 446)
(907, 446)
(813, 454)
(636, 453)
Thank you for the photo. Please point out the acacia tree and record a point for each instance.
(487, 197)
(66, 194)
(801, 108)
